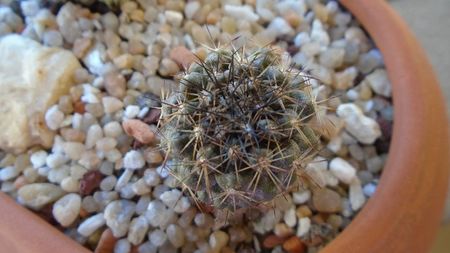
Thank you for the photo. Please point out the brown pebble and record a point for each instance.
(83, 213)
(294, 245)
(182, 56)
(327, 201)
(293, 19)
(78, 107)
(90, 181)
(303, 211)
(283, 230)
(73, 135)
(152, 116)
(106, 243)
(115, 84)
(81, 47)
(271, 241)
(139, 130)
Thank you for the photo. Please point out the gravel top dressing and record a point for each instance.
(81, 143)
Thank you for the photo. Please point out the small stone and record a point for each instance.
(318, 34)
(94, 134)
(90, 181)
(151, 177)
(294, 245)
(38, 158)
(290, 217)
(74, 135)
(124, 61)
(332, 58)
(175, 234)
(111, 104)
(139, 130)
(168, 67)
(115, 85)
(124, 179)
(271, 241)
(326, 200)
(70, 184)
(356, 195)
(91, 224)
(345, 79)
(106, 144)
(133, 160)
(374, 164)
(191, 9)
(55, 160)
(369, 61)
(157, 237)
(138, 230)
(81, 46)
(39, 194)
(131, 111)
(218, 239)
(379, 82)
(174, 18)
(90, 160)
(74, 150)
(140, 187)
(364, 129)
(122, 246)
(343, 170)
(118, 214)
(280, 27)
(52, 38)
(357, 35)
(282, 230)
(112, 129)
(369, 189)
(243, 12)
(182, 56)
(304, 225)
(67, 209)
(8, 173)
(155, 213)
(301, 197)
(54, 117)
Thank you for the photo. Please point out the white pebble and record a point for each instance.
(364, 129)
(38, 159)
(131, 111)
(290, 218)
(105, 144)
(108, 183)
(112, 129)
(175, 235)
(173, 17)
(155, 212)
(54, 117)
(8, 173)
(70, 184)
(55, 160)
(301, 39)
(138, 229)
(133, 160)
(304, 224)
(379, 82)
(122, 246)
(369, 189)
(67, 209)
(111, 104)
(94, 134)
(343, 170)
(301, 197)
(74, 150)
(318, 34)
(118, 214)
(123, 179)
(157, 237)
(243, 12)
(356, 195)
(151, 177)
(52, 38)
(140, 187)
(280, 27)
(191, 9)
(91, 224)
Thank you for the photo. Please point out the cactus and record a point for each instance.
(237, 131)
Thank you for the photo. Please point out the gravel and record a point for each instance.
(105, 170)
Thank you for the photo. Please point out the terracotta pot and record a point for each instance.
(404, 214)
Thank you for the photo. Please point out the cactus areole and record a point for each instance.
(237, 132)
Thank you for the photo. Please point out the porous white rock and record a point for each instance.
(343, 170)
(133, 160)
(32, 78)
(91, 224)
(364, 129)
(67, 209)
(118, 214)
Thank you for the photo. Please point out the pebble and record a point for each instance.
(54, 117)
(74, 150)
(244, 12)
(369, 61)
(294, 245)
(8, 173)
(70, 184)
(374, 164)
(118, 214)
(155, 212)
(106, 144)
(157, 237)
(379, 82)
(94, 134)
(52, 38)
(182, 56)
(39, 194)
(133, 160)
(123, 179)
(115, 85)
(356, 195)
(55, 160)
(218, 240)
(318, 34)
(91, 224)
(38, 159)
(175, 234)
(301, 197)
(168, 67)
(138, 230)
(369, 189)
(67, 209)
(290, 217)
(326, 200)
(345, 79)
(122, 246)
(90, 160)
(81, 47)
(282, 230)
(332, 58)
(174, 18)
(280, 27)
(343, 170)
(131, 111)
(90, 181)
(304, 225)
(111, 104)
(364, 129)
(139, 130)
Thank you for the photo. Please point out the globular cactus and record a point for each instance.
(237, 131)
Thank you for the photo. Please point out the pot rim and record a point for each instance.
(416, 175)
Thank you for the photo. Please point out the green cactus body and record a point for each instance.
(237, 130)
